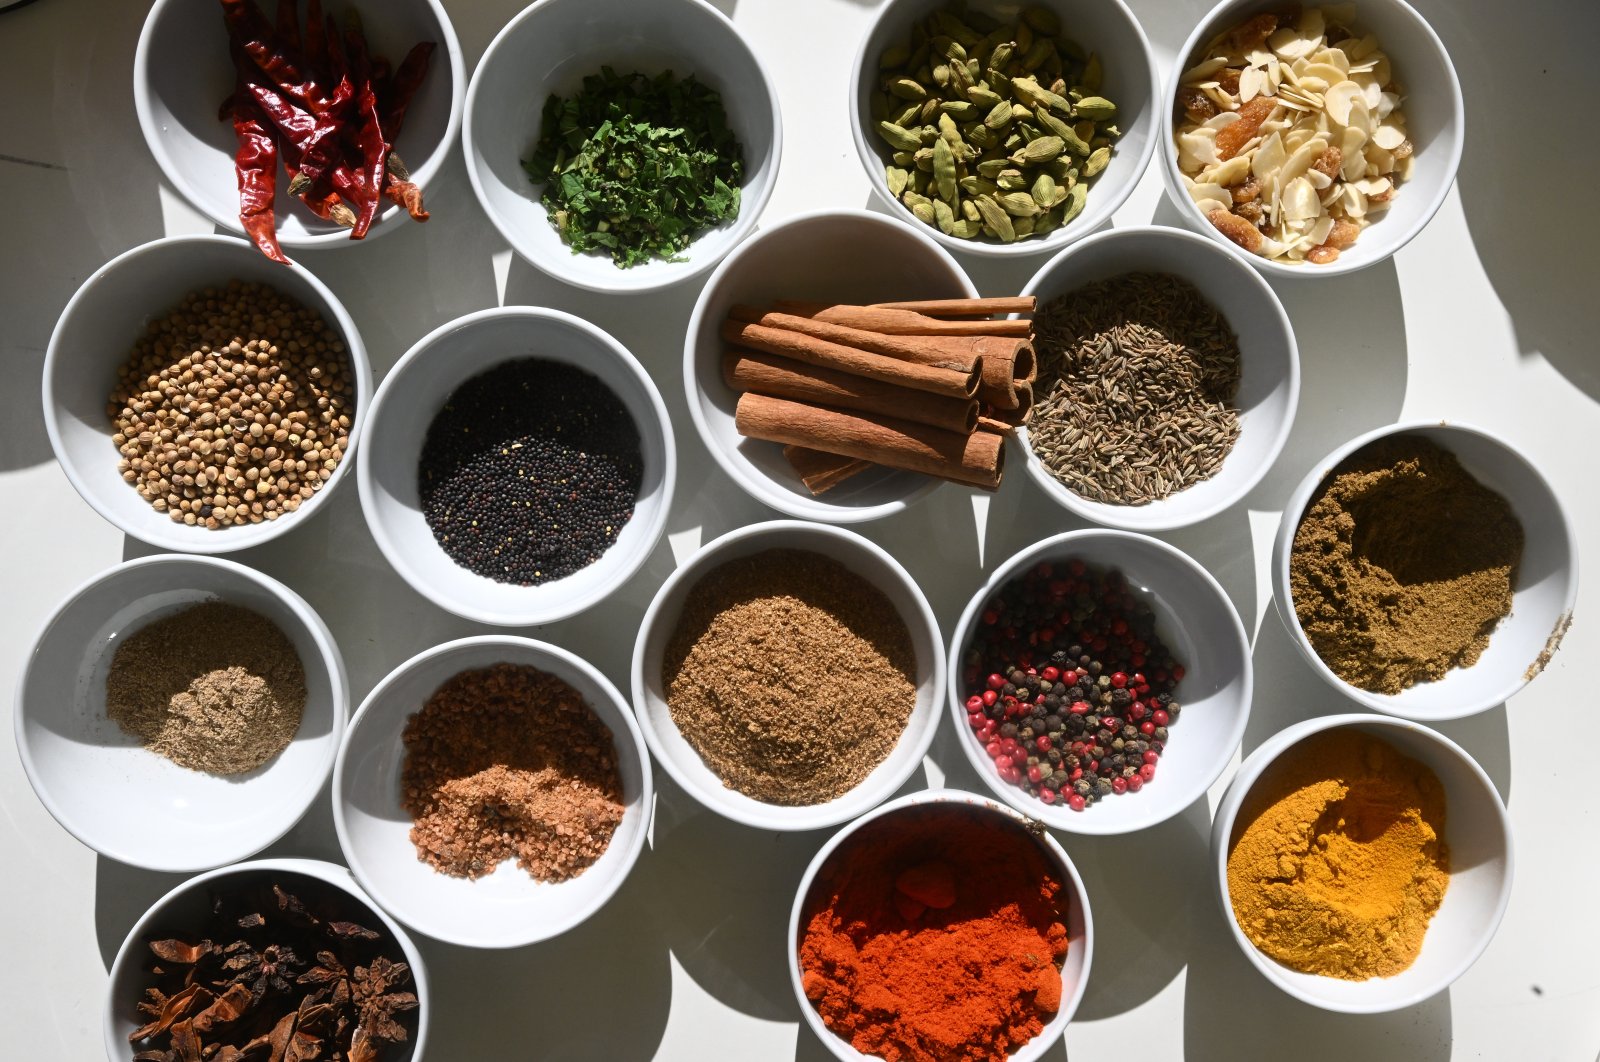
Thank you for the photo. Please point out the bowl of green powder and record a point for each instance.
(179, 713)
(1426, 570)
(621, 146)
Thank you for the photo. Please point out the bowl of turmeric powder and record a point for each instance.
(1362, 863)
(1426, 570)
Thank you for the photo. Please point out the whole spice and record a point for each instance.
(1137, 392)
(233, 408)
(508, 762)
(935, 933)
(214, 688)
(529, 471)
(790, 675)
(1084, 721)
(1338, 859)
(1402, 565)
(996, 130)
(637, 167)
(1290, 135)
(317, 99)
(272, 973)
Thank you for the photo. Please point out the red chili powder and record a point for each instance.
(936, 933)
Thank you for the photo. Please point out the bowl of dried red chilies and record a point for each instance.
(302, 126)
(279, 958)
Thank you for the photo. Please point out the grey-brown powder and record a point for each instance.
(790, 675)
(214, 688)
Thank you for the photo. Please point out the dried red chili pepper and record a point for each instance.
(252, 33)
(374, 160)
(256, 167)
(407, 79)
(288, 27)
(316, 35)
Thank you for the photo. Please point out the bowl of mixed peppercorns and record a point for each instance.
(1100, 681)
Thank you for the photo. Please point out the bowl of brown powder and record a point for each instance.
(1362, 863)
(788, 676)
(179, 713)
(1426, 570)
(492, 791)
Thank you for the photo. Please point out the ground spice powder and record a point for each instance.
(1338, 859)
(1402, 566)
(790, 675)
(214, 688)
(935, 934)
(508, 762)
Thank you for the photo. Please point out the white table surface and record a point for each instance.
(1490, 316)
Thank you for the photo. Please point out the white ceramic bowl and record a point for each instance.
(412, 394)
(1477, 830)
(549, 48)
(182, 72)
(95, 336)
(1544, 590)
(679, 758)
(1196, 620)
(1132, 82)
(831, 255)
(1079, 921)
(178, 913)
(1435, 120)
(136, 806)
(1269, 381)
(508, 908)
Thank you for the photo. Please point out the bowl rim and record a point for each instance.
(758, 486)
(1111, 515)
(1294, 511)
(1112, 199)
(218, 542)
(144, 107)
(1053, 850)
(1166, 133)
(1060, 817)
(535, 653)
(627, 281)
(328, 656)
(566, 607)
(330, 874)
(776, 817)
(1250, 772)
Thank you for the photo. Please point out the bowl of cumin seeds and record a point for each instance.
(1168, 379)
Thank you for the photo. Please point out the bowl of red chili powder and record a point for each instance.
(941, 926)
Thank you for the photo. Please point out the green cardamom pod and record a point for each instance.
(953, 27)
(1023, 226)
(1043, 191)
(882, 104)
(1097, 161)
(1018, 204)
(995, 219)
(992, 168)
(967, 229)
(907, 89)
(999, 117)
(1071, 49)
(1042, 49)
(1015, 141)
(1069, 136)
(984, 99)
(948, 129)
(944, 170)
(941, 75)
(1042, 19)
(949, 48)
(1092, 73)
(960, 110)
(1011, 180)
(929, 111)
(1096, 109)
(1049, 221)
(1030, 92)
(923, 212)
(894, 56)
(1085, 130)
(899, 137)
(923, 159)
(945, 216)
(1002, 55)
(1041, 150)
(961, 78)
(898, 180)
(1059, 87)
(980, 135)
(969, 211)
(928, 134)
(1023, 35)
(906, 117)
(1074, 204)
(978, 186)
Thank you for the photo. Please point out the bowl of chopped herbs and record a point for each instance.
(618, 146)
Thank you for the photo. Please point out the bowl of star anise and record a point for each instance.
(274, 958)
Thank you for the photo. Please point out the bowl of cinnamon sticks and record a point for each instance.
(840, 366)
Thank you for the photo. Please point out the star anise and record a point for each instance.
(377, 1001)
(273, 968)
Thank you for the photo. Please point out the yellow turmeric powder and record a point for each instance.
(1338, 859)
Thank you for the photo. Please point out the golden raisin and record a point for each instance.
(1329, 162)
(1251, 212)
(1250, 34)
(1228, 78)
(1246, 191)
(1342, 235)
(1236, 229)
(1236, 135)
(1196, 104)
(1322, 254)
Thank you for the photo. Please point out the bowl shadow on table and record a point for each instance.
(1230, 1011)
(1522, 250)
(1288, 691)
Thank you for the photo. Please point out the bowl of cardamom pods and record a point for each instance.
(1006, 133)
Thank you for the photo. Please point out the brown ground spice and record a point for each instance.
(214, 688)
(509, 762)
(790, 675)
(1402, 565)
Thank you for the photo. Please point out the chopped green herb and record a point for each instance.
(636, 166)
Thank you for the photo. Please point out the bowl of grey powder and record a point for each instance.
(789, 675)
(180, 713)
(1426, 570)
(492, 792)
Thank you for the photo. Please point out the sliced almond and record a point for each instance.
(1339, 100)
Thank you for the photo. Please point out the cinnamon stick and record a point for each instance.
(976, 460)
(902, 322)
(1011, 417)
(964, 307)
(769, 374)
(820, 471)
(813, 351)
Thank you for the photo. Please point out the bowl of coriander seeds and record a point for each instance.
(1168, 379)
